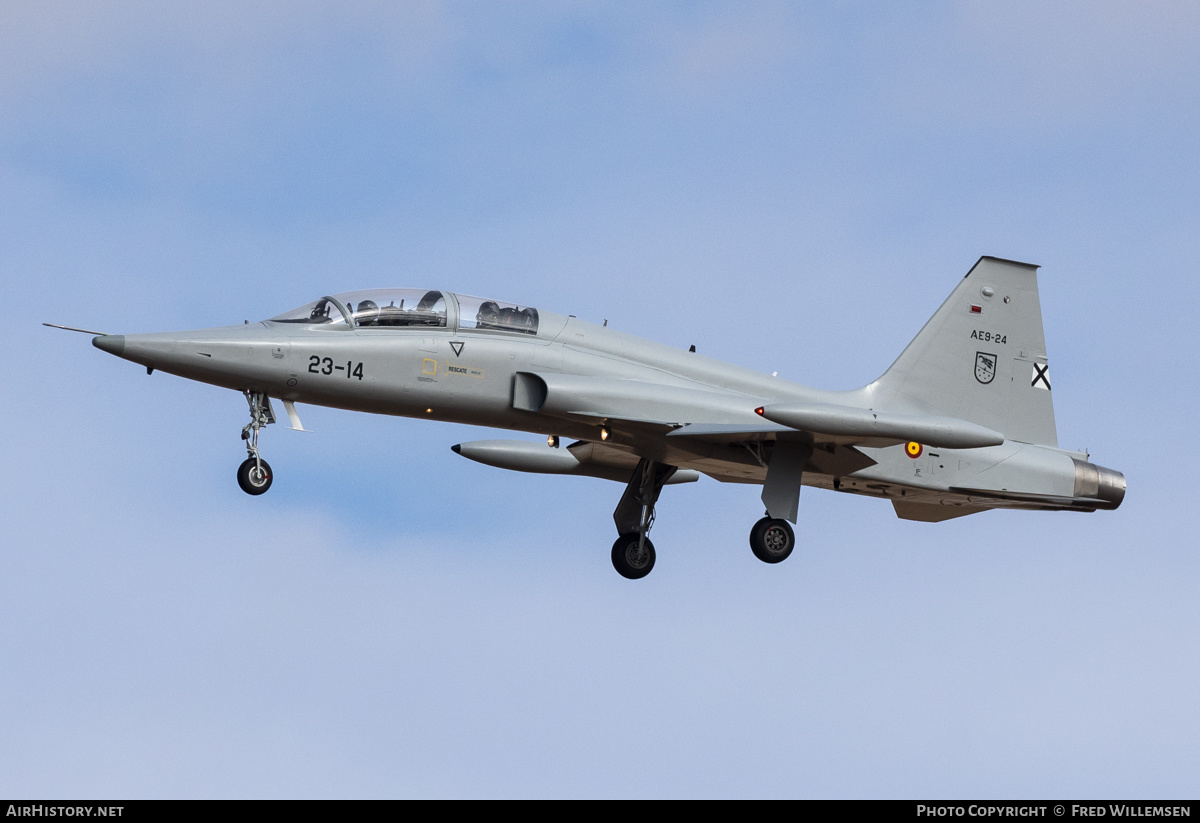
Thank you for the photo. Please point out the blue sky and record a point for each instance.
(791, 187)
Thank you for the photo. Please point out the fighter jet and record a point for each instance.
(961, 422)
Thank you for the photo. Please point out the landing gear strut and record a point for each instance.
(254, 475)
(633, 553)
(772, 540)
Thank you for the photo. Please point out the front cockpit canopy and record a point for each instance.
(396, 307)
(407, 308)
(375, 307)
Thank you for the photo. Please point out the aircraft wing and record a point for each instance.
(713, 431)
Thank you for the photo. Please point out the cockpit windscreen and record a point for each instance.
(323, 312)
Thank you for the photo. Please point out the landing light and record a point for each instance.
(552, 441)
(604, 432)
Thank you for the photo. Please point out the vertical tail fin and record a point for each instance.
(981, 357)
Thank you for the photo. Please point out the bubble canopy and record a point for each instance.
(408, 308)
(477, 313)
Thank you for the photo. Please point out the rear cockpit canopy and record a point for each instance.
(389, 308)
(477, 313)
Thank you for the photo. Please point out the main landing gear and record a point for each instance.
(254, 475)
(633, 553)
(772, 540)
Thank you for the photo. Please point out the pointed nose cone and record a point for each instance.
(111, 343)
(229, 356)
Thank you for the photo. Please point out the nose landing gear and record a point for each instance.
(254, 475)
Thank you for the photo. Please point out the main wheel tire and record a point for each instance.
(252, 479)
(772, 540)
(628, 561)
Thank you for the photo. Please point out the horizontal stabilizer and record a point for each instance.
(864, 424)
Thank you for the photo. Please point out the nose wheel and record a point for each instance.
(772, 540)
(255, 475)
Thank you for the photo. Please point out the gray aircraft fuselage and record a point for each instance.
(951, 429)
